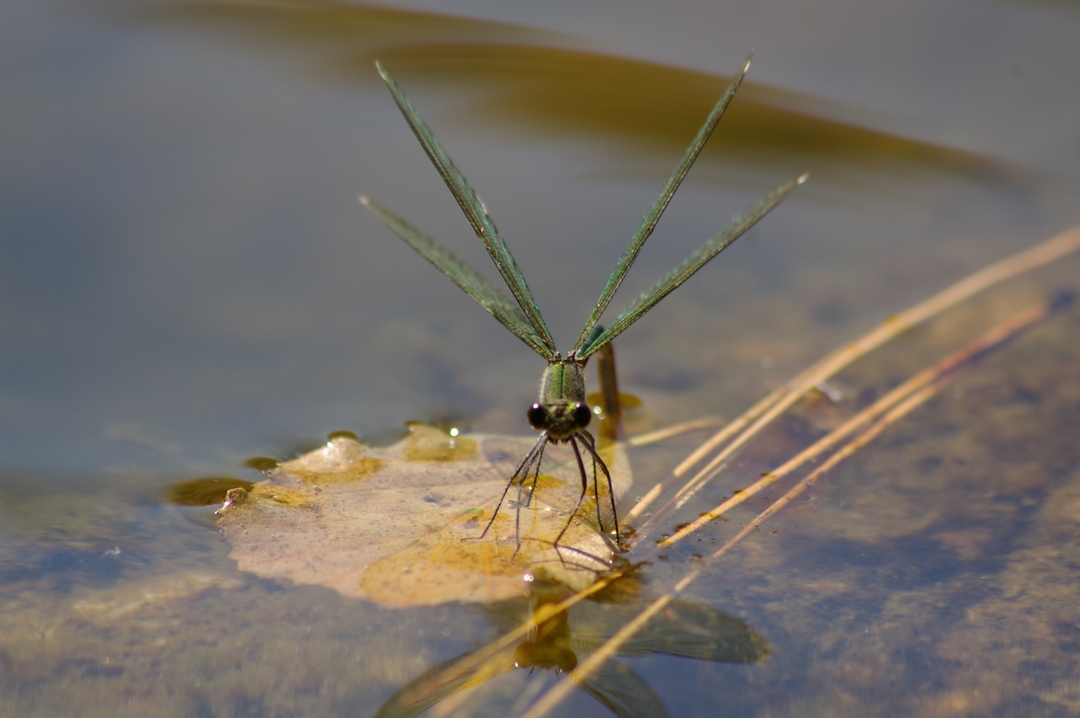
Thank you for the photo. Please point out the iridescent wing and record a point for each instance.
(669, 282)
(584, 348)
(533, 331)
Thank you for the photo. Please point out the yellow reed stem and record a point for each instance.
(674, 430)
(996, 336)
(765, 411)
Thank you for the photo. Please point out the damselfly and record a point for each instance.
(561, 413)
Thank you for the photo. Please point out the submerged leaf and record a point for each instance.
(401, 525)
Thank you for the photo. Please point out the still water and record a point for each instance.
(188, 281)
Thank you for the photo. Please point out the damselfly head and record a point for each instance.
(560, 421)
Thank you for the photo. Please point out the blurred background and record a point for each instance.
(187, 280)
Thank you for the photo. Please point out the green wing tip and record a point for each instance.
(382, 72)
(802, 178)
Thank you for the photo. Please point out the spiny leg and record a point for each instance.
(536, 478)
(584, 488)
(590, 444)
(532, 490)
(595, 488)
(521, 470)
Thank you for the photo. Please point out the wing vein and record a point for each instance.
(648, 223)
(486, 294)
(477, 215)
(698, 259)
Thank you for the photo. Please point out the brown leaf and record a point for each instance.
(400, 525)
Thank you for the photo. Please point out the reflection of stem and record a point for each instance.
(761, 414)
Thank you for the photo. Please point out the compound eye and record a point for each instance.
(538, 417)
(582, 416)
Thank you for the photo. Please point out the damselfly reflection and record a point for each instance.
(684, 629)
(561, 413)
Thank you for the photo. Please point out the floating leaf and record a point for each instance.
(401, 525)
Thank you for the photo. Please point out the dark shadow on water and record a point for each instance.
(541, 82)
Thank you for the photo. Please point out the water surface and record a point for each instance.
(187, 281)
